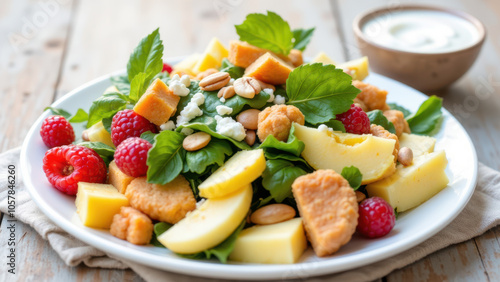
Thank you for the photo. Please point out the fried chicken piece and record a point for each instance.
(379, 131)
(277, 121)
(168, 203)
(373, 97)
(132, 225)
(398, 119)
(329, 209)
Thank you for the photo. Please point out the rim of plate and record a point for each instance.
(237, 271)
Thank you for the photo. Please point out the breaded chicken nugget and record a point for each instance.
(277, 121)
(132, 225)
(372, 97)
(398, 119)
(328, 207)
(168, 203)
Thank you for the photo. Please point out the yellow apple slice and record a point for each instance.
(419, 144)
(359, 68)
(241, 169)
(187, 64)
(97, 133)
(282, 242)
(326, 149)
(322, 57)
(217, 49)
(412, 185)
(210, 224)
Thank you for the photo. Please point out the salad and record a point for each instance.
(246, 154)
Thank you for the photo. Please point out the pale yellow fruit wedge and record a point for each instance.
(322, 57)
(111, 89)
(281, 243)
(241, 169)
(217, 50)
(336, 150)
(210, 224)
(358, 67)
(97, 133)
(187, 64)
(412, 185)
(96, 204)
(417, 143)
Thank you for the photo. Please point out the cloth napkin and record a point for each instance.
(480, 214)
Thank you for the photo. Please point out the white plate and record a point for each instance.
(412, 227)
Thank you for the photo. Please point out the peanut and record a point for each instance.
(264, 85)
(249, 119)
(273, 213)
(246, 87)
(215, 81)
(196, 141)
(405, 156)
(226, 92)
(206, 73)
(250, 137)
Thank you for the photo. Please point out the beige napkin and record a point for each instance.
(480, 214)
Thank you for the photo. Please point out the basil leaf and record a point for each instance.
(104, 151)
(426, 118)
(149, 136)
(106, 122)
(320, 91)
(137, 87)
(79, 116)
(158, 229)
(121, 83)
(59, 112)
(266, 31)
(106, 106)
(278, 177)
(146, 57)
(164, 158)
(377, 117)
(302, 37)
(214, 153)
(353, 176)
(208, 125)
(402, 109)
(234, 71)
(293, 145)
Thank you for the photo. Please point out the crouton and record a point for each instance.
(277, 121)
(242, 54)
(118, 178)
(132, 225)
(373, 97)
(158, 103)
(269, 69)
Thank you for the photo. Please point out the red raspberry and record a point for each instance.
(128, 123)
(131, 156)
(65, 166)
(376, 218)
(56, 131)
(167, 68)
(355, 120)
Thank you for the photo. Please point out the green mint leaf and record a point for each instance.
(267, 31)
(302, 37)
(320, 91)
(104, 151)
(336, 125)
(59, 112)
(106, 106)
(377, 117)
(137, 87)
(164, 158)
(278, 177)
(293, 145)
(214, 153)
(426, 118)
(106, 122)
(149, 136)
(158, 229)
(79, 116)
(353, 176)
(234, 71)
(146, 57)
(402, 109)
(121, 83)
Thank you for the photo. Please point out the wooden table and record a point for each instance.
(48, 50)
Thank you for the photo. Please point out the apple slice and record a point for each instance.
(210, 224)
(240, 170)
(326, 149)
(419, 144)
(358, 67)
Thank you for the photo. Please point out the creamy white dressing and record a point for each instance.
(421, 31)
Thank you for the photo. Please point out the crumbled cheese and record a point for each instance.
(191, 110)
(324, 128)
(223, 100)
(231, 82)
(223, 110)
(279, 100)
(230, 128)
(169, 125)
(270, 92)
(187, 131)
(198, 98)
(185, 80)
(179, 85)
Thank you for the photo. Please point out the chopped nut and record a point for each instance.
(273, 213)
(85, 135)
(360, 196)
(226, 92)
(215, 81)
(264, 85)
(196, 141)
(247, 87)
(250, 137)
(249, 119)
(206, 73)
(405, 156)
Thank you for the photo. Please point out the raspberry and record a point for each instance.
(128, 123)
(56, 131)
(167, 68)
(65, 166)
(355, 120)
(376, 218)
(131, 156)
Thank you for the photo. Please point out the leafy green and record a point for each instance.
(121, 83)
(278, 177)
(278, 155)
(377, 117)
(137, 87)
(426, 118)
(267, 31)
(106, 152)
(396, 213)
(79, 116)
(234, 71)
(221, 251)
(237, 103)
(208, 125)
(149, 136)
(302, 37)
(106, 106)
(320, 91)
(146, 57)
(59, 112)
(353, 176)
(164, 158)
(336, 125)
(158, 229)
(106, 122)
(402, 109)
(214, 153)
(293, 145)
